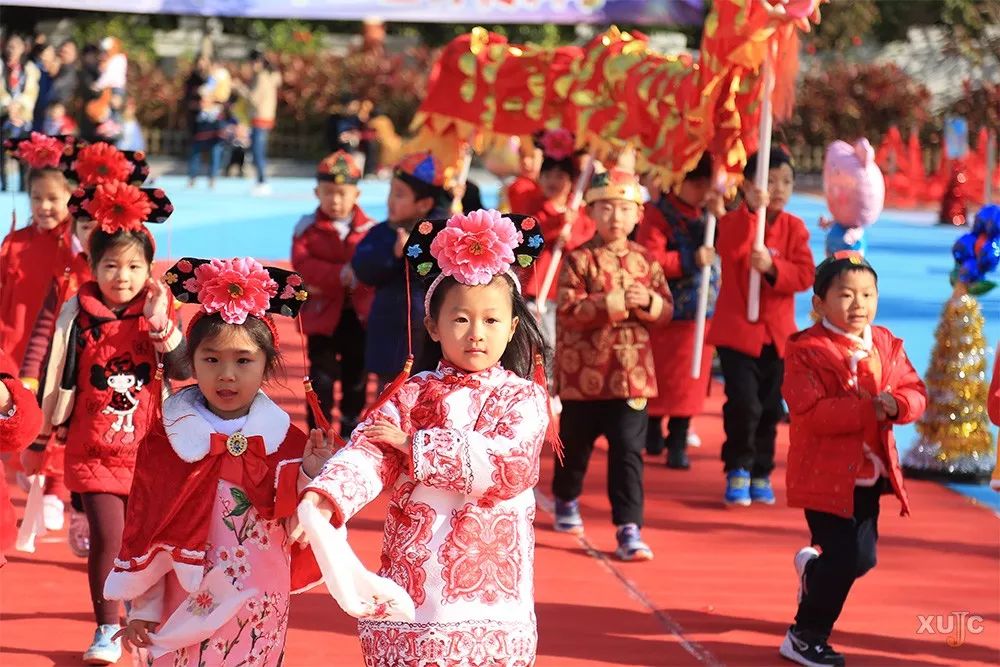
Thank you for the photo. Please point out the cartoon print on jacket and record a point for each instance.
(125, 379)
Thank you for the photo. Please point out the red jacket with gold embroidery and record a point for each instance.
(831, 420)
(788, 240)
(319, 255)
(603, 349)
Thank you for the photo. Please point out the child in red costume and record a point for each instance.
(673, 230)
(34, 261)
(752, 353)
(34, 257)
(334, 317)
(612, 294)
(20, 421)
(457, 446)
(523, 193)
(205, 552)
(107, 343)
(846, 384)
(84, 166)
(556, 179)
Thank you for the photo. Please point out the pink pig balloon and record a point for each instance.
(853, 183)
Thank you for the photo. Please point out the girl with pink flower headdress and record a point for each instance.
(205, 558)
(457, 447)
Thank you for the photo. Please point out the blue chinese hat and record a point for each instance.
(425, 176)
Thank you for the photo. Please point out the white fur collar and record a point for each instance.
(190, 433)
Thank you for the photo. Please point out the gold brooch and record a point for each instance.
(237, 444)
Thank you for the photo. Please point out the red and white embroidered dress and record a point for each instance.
(458, 535)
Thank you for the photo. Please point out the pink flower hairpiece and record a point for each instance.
(558, 144)
(474, 248)
(40, 151)
(236, 288)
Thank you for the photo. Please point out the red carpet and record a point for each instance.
(720, 591)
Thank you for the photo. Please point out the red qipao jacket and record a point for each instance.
(831, 422)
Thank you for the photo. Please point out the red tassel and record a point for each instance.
(156, 392)
(312, 400)
(552, 430)
(322, 423)
(391, 388)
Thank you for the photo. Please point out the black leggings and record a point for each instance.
(106, 516)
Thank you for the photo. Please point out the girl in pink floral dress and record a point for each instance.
(205, 558)
(457, 447)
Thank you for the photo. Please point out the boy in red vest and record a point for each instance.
(333, 318)
(847, 383)
(752, 353)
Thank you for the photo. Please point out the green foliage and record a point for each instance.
(134, 31)
(844, 24)
(842, 100)
(291, 37)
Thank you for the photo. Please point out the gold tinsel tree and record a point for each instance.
(954, 437)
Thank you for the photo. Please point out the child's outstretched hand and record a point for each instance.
(157, 308)
(388, 435)
(136, 633)
(317, 452)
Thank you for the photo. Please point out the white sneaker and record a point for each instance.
(104, 650)
(79, 534)
(693, 440)
(53, 513)
(802, 559)
(261, 190)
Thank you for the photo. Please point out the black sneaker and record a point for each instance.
(810, 650)
(677, 459)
